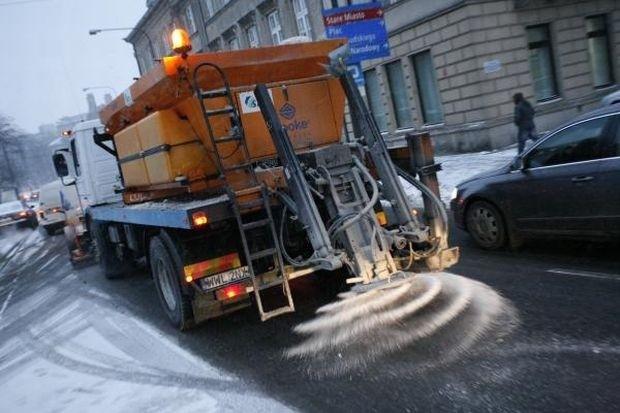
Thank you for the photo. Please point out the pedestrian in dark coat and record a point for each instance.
(524, 119)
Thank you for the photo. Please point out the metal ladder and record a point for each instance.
(249, 187)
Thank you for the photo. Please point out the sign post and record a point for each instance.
(364, 26)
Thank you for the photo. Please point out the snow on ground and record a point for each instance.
(457, 168)
(65, 346)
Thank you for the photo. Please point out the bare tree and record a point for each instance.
(24, 158)
(8, 134)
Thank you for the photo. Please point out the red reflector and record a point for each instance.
(229, 292)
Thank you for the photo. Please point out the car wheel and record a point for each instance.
(166, 269)
(486, 225)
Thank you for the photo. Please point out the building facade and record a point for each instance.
(454, 64)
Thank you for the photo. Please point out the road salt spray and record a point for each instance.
(436, 317)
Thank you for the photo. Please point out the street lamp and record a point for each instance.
(86, 89)
(94, 32)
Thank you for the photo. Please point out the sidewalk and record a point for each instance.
(457, 168)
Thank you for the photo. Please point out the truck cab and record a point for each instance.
(93, 175)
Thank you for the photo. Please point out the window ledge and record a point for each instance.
(606, 87)
(548, 101)
(433, 125)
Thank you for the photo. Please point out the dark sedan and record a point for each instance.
(17, 213)
(567, 184)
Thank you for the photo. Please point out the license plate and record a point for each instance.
(213, 282)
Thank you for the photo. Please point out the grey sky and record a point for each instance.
(49, 56)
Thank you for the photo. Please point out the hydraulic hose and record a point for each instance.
(371, 203)
(285, 254)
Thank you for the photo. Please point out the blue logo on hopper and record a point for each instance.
(287, 111)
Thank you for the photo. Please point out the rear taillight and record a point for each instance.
(229, 292)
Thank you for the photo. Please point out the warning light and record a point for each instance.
(67, 133)
(189, 278)
(381, 218)
(229, 292)
(181, 42)
(199, 219)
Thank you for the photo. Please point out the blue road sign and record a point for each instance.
(363, 26)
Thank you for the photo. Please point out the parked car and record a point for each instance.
(52, 205)
(566, 184)
(611, 99)
(17, 213)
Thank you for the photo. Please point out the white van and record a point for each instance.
(54, 199)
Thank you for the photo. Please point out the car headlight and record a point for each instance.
(454, 193)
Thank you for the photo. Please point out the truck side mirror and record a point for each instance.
(60, 164)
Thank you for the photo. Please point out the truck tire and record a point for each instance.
(33, 223)
(166, 268)
(486, 225)
(112, 266)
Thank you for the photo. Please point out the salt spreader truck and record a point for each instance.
(236, 178)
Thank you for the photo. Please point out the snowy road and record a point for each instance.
(70, 340)
(81, 349)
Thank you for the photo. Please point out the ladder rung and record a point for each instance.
(216, 93)
(256, 224)
(274, 283)
(278, 311)
(251, 204)
(227, 139)
(262, 254)
(222, 111)
(238, 167)
(248, 191)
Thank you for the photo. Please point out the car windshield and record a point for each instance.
(10, 207)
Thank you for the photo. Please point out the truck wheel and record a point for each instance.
(486, 225)
(166, 267)
(111, 265)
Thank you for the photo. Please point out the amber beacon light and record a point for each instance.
(181, 42)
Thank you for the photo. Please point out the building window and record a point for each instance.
(373, 94)
(189, 19)
(598, 47)
(197, 43)
(275, 27)
(251, 33)
(233, 43)
(301, 16)
(426, 80)
(398, 91)
(210, 8)
(331, 4)
(164, 47)
(541, 62)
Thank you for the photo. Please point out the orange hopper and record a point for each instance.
(160, 132)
